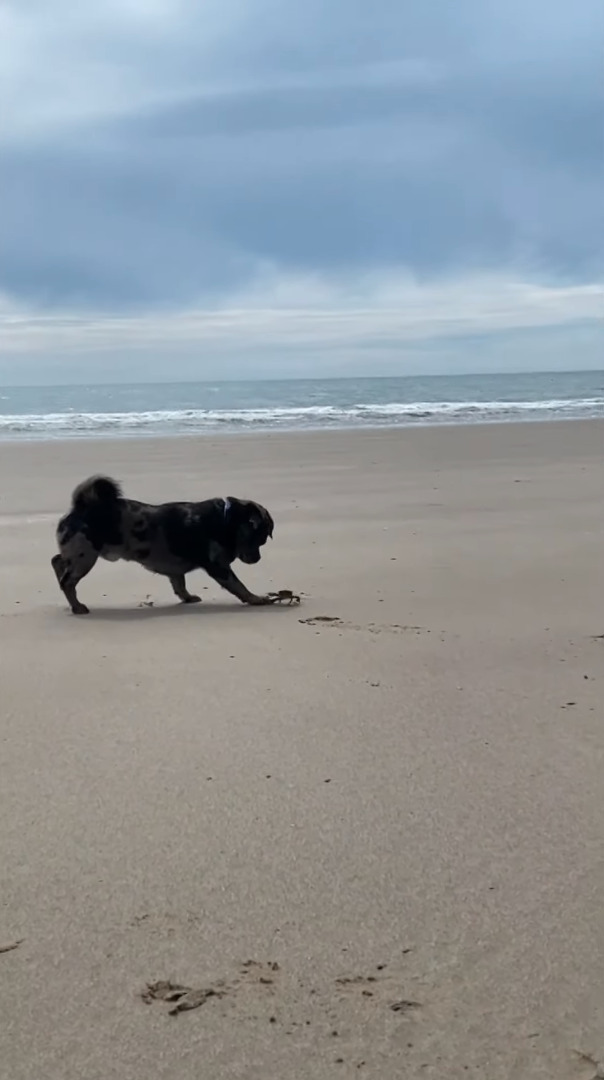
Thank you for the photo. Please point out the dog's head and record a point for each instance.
(252, 526)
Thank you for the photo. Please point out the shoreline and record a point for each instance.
(340, 429)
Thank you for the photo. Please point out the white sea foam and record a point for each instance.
(391, 414)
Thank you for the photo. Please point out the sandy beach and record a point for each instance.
(372, 825)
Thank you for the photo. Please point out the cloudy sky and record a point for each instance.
(258, 187)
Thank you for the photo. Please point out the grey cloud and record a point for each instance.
(334, 137)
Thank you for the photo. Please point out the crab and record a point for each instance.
(284, 596)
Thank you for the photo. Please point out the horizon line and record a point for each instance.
(302, 379)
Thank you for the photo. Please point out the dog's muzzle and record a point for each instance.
(250, 557)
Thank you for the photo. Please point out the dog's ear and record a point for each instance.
(260, 518)
(251, 513)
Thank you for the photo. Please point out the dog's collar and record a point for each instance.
(227, 506)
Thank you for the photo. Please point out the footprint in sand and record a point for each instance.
(264, 977)
(371, 628)
(186, 999)
(321, 619)
(181, 998)
(317, 1017)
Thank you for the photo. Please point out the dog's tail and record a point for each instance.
(96, 492)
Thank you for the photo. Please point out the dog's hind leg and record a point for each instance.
(70, 567)
(177, 581)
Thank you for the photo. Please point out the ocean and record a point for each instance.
(61, 412)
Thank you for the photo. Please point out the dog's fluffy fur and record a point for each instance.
(171, 539)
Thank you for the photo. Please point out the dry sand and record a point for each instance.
(400, 807)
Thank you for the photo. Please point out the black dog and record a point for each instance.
(171, 539)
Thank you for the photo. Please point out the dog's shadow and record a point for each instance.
(176, 611)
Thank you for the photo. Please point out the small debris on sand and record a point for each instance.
(12, 947)
(405, 1006)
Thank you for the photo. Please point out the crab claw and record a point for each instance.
(284, 595)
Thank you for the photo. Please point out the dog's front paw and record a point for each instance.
(261, 601)
(80, 609)
(192, 599)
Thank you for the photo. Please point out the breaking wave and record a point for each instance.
(192, 421)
